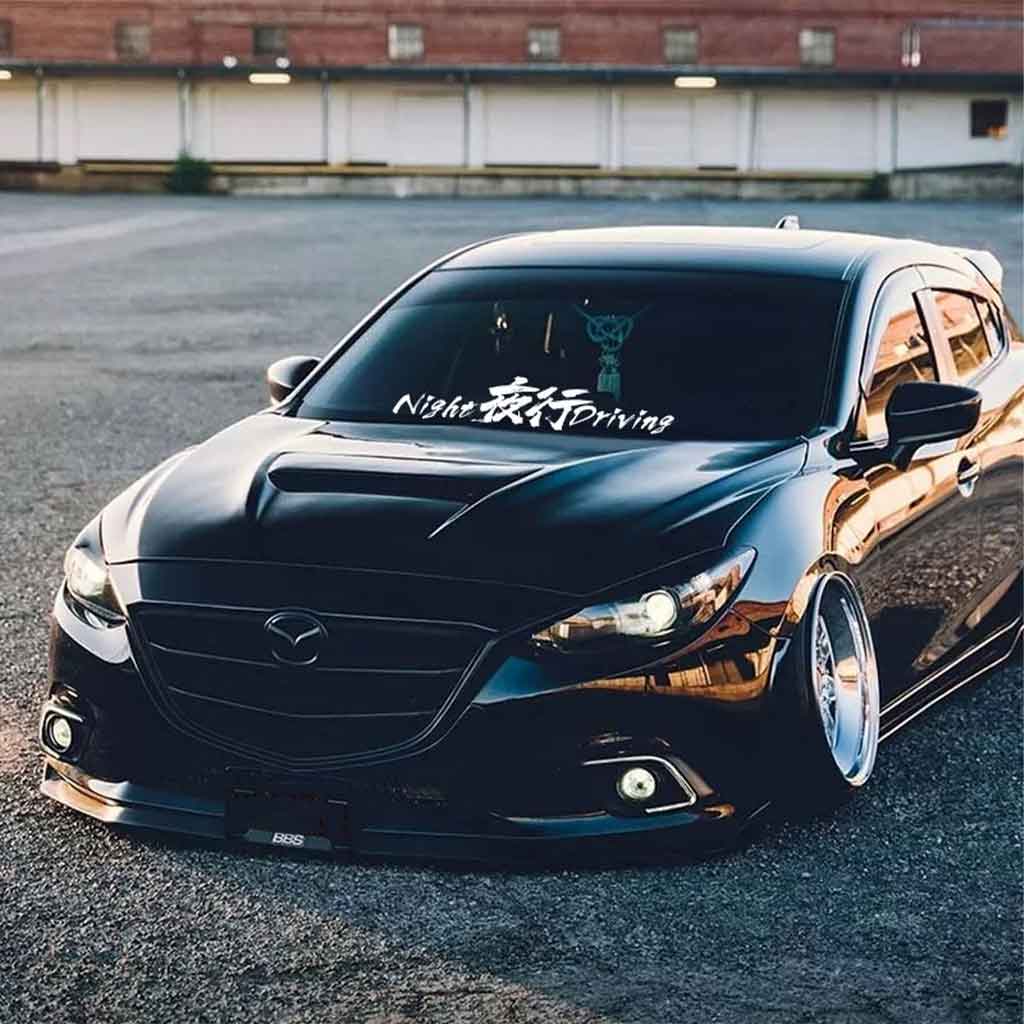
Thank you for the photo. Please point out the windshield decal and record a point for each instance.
(520, 403)
(611, 331)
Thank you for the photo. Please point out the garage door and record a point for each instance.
(429, 128)
(815, 133)
(127, 121)
(18, 124)
(272, 123)
(543, 127)
(716, 129)
(371, 126)
(657, 130)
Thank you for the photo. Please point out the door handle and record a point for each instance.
(967, 475)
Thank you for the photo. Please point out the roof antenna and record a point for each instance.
(791, 222)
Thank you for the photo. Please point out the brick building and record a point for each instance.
(795, 85)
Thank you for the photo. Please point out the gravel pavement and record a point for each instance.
(132, 326)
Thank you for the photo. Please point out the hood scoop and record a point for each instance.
(454, 481)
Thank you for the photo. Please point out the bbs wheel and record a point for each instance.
(831, 717)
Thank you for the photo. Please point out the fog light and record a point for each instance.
(60, 734)
(636, 785)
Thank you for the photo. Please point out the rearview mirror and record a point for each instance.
(284, 376)
(924, 412)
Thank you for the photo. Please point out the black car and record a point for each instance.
(580, 538)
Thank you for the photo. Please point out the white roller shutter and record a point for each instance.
(272, 123)
(127, 120)
(429, 129)
(716, 129)
(557, 127)
(825, 132)
(657, 129)
(18, 123)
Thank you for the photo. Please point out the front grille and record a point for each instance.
(377, 682)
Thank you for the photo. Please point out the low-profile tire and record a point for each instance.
(829, 704)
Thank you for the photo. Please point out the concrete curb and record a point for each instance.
(989, 182)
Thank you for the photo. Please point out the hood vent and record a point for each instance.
(459, 482)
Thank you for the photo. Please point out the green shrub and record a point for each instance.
(189, 175)
(879, 187)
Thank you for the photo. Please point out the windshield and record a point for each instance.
(664, 355)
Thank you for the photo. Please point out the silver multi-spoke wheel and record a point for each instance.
(844, 678)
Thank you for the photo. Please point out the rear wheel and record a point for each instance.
(831, 713)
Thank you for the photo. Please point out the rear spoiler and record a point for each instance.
(986, 264)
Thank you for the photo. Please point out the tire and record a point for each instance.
(829, 713)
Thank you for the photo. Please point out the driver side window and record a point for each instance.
(904, 354)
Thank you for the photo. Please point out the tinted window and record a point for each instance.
(650, 353)
(904, 355)
(965, 333)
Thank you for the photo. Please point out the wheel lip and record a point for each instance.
(865, 763)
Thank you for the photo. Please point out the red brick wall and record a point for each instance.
(337, 32)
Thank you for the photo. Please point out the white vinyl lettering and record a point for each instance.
(521, 404)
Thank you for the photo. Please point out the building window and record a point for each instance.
(989, 119)
(681, 45)
(6, 38)
(544, 42)
(817, 47)
(270, 41)
(131, 40)
(910, 47)
(405, 42)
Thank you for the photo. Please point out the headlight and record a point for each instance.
(677, 612)
(91, 594)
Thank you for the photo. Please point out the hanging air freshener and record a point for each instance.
(610, 331)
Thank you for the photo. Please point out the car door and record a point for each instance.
(984, 356)
(926, 526)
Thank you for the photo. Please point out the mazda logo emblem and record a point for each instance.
(295, 638)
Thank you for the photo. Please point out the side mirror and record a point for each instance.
(284, 376)
(924, 412)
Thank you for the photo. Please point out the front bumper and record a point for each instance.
(490, 838)
(527, 771)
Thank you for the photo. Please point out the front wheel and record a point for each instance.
(831, 710)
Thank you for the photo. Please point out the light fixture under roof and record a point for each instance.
(695, 82)
(5, 75)
(269, 78)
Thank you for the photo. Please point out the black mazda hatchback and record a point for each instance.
(579, 539)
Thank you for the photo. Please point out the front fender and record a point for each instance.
(818, 521)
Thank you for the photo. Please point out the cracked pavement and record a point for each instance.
(135, 325)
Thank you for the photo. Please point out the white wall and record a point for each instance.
(500, 124)
(18, 121)
(562, 126)
(934, 130)
(825, 131)
(127, 120)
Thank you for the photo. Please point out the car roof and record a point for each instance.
(829, 254)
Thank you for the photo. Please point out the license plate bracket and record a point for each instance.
(286, 818)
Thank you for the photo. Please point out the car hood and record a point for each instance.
(569, 513)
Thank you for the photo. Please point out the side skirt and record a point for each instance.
(987, 655)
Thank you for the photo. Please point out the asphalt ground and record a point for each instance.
(132, 326)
